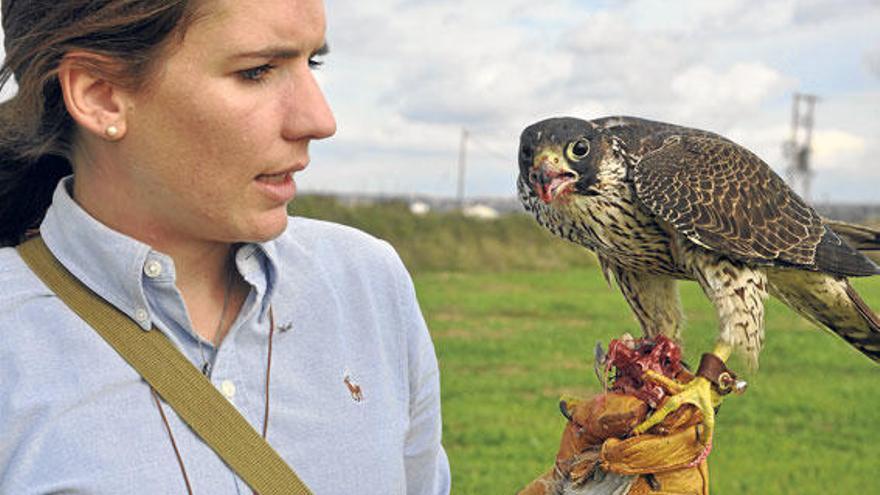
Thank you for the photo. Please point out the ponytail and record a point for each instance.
(25, 194)
(27, 176)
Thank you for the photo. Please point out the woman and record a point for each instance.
(183, 123)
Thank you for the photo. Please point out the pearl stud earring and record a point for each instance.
(112, 131)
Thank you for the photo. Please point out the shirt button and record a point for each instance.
(142, 316)
(153, 268)
(228, 389)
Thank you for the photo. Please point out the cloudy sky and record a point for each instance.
(404, 77)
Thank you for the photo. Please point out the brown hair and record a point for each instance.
(35, 128)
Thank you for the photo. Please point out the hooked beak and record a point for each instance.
(550, 177)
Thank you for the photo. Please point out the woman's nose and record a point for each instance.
(309, 115)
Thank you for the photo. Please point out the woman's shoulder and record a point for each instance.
(18, 281)
(322, 238)
(312, 229)
(13, 266)
(339, 250)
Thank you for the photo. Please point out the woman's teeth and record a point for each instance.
(275, 178)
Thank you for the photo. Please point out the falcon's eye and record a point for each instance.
(578, 150)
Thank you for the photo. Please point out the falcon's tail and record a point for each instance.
(830, 302)
(861, 237)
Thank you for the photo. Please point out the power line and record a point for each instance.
(466, 138)
(489, 150)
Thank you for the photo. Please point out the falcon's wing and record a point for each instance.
(643, 136)
(723, 197)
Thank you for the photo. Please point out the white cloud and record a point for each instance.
(496, 66)
(712, 19)
(405, 76)
(740, 88)
(823, 11)
(831, 147)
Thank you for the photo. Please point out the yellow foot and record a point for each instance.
(698, 392)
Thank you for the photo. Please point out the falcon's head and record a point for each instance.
(565, 155)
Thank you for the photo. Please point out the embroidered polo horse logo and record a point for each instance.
(354, 389)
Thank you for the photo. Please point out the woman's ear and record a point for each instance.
(92, 99)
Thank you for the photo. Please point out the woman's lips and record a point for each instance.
(279, 187)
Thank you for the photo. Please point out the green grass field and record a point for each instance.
(510, 343)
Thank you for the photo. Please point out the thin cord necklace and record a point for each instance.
(208, 364)
(189, 490)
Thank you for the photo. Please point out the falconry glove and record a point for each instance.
(595, 458)
(601, 452)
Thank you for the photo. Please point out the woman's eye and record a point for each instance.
(315, 63)
(256, 74)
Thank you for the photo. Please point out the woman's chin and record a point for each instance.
(266, 227)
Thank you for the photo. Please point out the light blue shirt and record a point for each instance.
(75, 418)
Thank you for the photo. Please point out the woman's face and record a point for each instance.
(212, 143)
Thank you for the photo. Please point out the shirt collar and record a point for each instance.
(113, 264)
(258, 265)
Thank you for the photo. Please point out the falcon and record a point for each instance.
(658, 203)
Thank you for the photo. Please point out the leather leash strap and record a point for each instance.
(713, 369)
(174, 377)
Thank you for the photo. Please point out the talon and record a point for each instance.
(698, 392)
(563, 408)
(671, 386)
(567, 404)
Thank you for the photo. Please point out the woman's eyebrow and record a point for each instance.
(282, 52)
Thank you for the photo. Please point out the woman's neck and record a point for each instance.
(205, 273)
(212, 289)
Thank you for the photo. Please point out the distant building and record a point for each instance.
(481, 212)
(419, 208)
